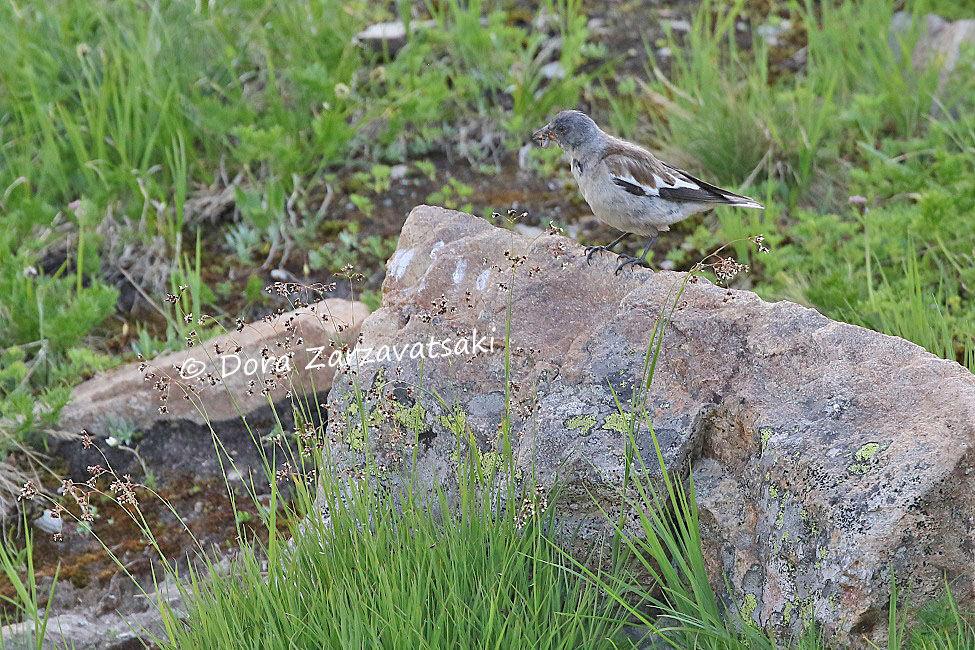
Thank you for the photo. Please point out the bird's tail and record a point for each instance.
(713, 194)
(740, 201)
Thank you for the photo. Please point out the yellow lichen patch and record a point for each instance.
(379, 381)
(748, 607)
(486, 465)
(865, 458)
(867, 451)
(766, 433)
(490, 464)
(806, 610)
(455, 422)
(584, 423)
(412, 418)
(787, 613)
(355, 438)
(619, 422)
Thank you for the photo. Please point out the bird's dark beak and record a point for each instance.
(542, 136)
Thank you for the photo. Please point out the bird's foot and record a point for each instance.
(592, 250)
(629, 261)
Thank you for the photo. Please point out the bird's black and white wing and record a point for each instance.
(689, 188)
(638, 172)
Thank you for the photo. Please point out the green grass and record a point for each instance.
(418, 576)
(855, 122)
(739, 122)
(17, 566)
(119, 102)
(116, 112)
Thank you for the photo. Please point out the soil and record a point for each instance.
(195, 501)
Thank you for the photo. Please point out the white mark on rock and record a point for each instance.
(436, 247)
(482, 279)
(399, 262)
(459, 271)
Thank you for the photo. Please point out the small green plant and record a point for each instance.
(189, 295)
(17, 566)
(243, 239)
(426, 168)
(377, 180)
(362, 203)
(52, 308)
(254, 290)
(121, 432)
(148, 345)
(454, 195)
(349, 248)
(243, 517)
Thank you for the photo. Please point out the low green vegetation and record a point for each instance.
(409, 572)
(120, 123)
(420, 575)
(866, 166)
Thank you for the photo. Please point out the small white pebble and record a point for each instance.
(49, 524)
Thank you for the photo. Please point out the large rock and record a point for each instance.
(824, 455)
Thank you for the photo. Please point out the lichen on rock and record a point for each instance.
(584, 423)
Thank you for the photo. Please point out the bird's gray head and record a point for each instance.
(571, 130)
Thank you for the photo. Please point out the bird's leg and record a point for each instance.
(592, 250)
(633, 261)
